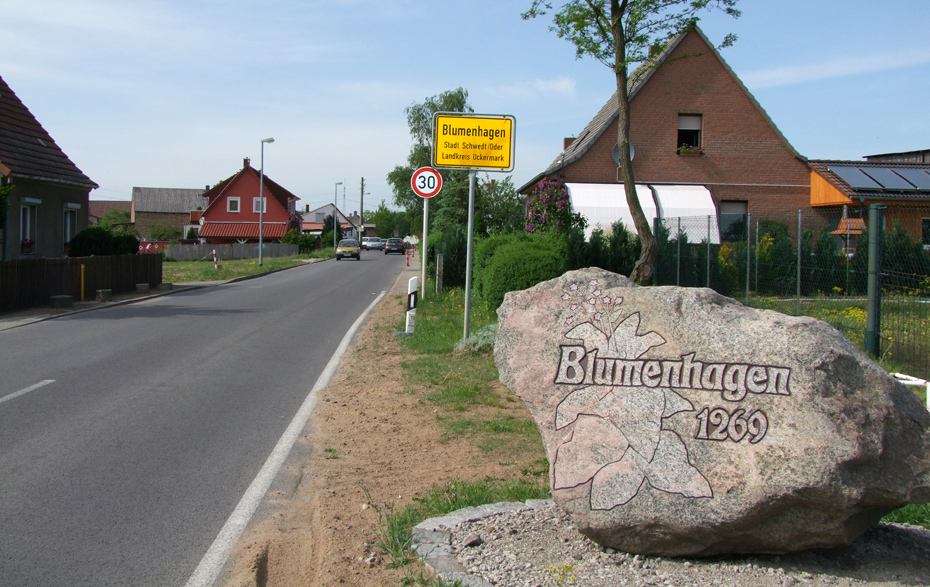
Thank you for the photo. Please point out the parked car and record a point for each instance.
(394, 245)
(372, 242)
(348, 248)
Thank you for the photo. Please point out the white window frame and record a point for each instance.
(264, 205)
(28, 223)
(229, 206)
(69, 229)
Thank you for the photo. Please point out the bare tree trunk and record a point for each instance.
(643, 270)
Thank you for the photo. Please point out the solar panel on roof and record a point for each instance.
(887, 178)
(855, 178)
(918, 177)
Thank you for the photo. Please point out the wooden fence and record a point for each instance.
(26, 283)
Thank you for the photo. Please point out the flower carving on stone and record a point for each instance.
(616, 439)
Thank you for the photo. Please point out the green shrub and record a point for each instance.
(452, 245)
(125, 244)
(521, 264)
(164, 232)
(484, 252)
(93, 240)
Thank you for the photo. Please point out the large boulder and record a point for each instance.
(679, 422)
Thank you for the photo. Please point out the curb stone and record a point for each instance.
(432, 538)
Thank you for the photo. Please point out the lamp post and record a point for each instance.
(261, 202)
(335, 220)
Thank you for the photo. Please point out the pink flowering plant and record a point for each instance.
(549, 208)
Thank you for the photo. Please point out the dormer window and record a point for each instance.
(689, 133)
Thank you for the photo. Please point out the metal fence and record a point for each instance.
(26, 283)
(758, 260)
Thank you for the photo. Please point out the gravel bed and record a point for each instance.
(530, 548)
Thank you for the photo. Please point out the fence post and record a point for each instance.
(678, 256)
(708, 251)
(748, 249)
(874, 303)
(655, 268)
(757, 256)
(797, 311)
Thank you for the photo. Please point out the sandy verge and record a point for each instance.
(368, 431)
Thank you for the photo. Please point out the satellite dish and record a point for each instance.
(616, 153)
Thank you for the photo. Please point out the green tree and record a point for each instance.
(328, 230)
(114, 217)
(164, 232)
(451, 204)
(619, 33)
(383, 219)
(501, 208)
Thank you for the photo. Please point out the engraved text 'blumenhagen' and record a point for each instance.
(732, 380)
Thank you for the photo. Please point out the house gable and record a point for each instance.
(49, 202)
(221, 221)
(742, 158)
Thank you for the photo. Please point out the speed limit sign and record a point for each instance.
(426, 182)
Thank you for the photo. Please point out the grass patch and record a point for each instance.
(905, 330)
(463, 384)
(184, 271)
(395, 528)
(917, 514)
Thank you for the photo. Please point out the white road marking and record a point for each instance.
(26, 390)
(212, 562)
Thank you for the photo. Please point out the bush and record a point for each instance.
(93, 240)
(164, 232)
(484, 252)
(521, 264)
(452, 245)
(125, 244)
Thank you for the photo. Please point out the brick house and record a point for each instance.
(48, 203)
(164, 207)
(232, 213)
(695, 128)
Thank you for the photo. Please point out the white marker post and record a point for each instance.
(411, 304)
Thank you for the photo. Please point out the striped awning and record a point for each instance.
(241, 230)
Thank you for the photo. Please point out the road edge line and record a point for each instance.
(212, 563)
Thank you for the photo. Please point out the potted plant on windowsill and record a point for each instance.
(26, 246)
(692, 150)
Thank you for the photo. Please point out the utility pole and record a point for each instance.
(361, 212)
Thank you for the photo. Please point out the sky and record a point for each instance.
(175, 93)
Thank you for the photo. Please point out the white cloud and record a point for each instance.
(797, 74)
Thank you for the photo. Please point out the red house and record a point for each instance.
(232, 212)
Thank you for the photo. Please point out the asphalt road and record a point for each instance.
(154, 418)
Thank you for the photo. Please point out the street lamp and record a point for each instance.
(261, 201)
(335, 220)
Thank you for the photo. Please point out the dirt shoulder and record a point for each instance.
(369, 431)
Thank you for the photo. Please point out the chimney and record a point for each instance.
(308, 208)
(567, 142)
(245, 163)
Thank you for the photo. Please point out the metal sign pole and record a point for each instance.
(423, 248)
(471, 231)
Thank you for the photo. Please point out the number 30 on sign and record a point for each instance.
(426, 182)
